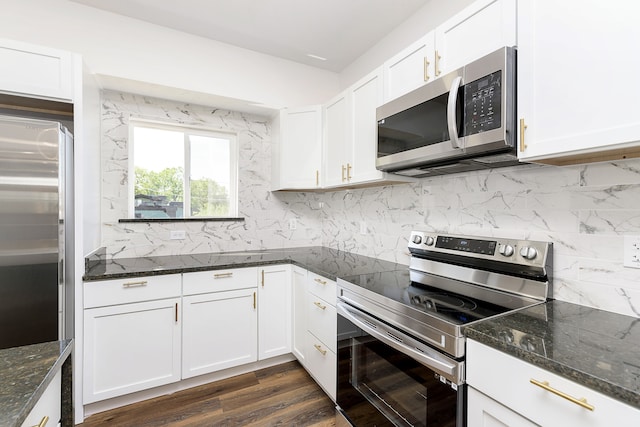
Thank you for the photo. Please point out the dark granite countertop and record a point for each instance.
(595, 348)
(25, 373)
(330, 263)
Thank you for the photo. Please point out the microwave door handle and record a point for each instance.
(451, 112)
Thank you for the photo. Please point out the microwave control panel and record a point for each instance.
(482, 101)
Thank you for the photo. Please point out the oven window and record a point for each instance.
(378, 385)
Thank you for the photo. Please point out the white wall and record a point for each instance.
(126, 50)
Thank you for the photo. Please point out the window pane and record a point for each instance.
(210, 180)
(159, 173)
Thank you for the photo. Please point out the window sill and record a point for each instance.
(211, 219)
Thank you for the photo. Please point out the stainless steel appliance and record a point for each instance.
(401, 345)
(464, 120)
(32, 232)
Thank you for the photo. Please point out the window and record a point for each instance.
(181, 172)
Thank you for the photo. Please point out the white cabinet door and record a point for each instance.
(49, 406)
(366, 96)
(299, 284)
(526, 390)
(337, 141)
(219, 331)
(572, 111)
(299, 161)
(482, 411)
(37, 71)
(274, 311)
(481, 28)
(411, 68)
(131, 347)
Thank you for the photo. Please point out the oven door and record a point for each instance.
(387, 378)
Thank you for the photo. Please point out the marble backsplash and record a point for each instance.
(585, 210)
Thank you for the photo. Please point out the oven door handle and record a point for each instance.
(400, 342)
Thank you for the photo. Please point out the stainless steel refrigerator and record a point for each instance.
(33, 179)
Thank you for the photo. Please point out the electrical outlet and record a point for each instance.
(178, 235)
(632, 251)
(363, 228)
(293, 224)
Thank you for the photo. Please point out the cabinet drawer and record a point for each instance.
(510, 384)
(322, 320)
(322, 287)
(220, 280)
(321, 364)
(134, 289)
(48, 405)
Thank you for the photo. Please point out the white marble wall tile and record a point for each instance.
(614, 173)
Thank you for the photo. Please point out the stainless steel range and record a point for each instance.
(401, 342)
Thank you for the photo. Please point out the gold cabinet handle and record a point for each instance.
(319, 348)
(222, 275)
(545, 385)
(134, 284)
(254, 300)
(43, 422)
(343, 169)
(176, 312)
(317, 178)
(349, 167)
(426, 69)
(523, 127)
(262, 280)
(437, 64)
(320, 306)
(322, 282)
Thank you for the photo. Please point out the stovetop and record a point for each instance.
(453, 282)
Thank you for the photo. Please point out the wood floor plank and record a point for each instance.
(282, 395)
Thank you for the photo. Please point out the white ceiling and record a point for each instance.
(338, 30)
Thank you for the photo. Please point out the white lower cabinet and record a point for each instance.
(220, 330)
(220, 316)
(482, 411)
(47, 410)
(299, 285)
(131, 347)
(315, 327)
(537, 396)
(274, 311)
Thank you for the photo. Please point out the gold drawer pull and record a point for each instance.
(319, 348)
(322, 282)
(43, 422)
(222, 275)
(134, 284)
(320, 306)
(523, 127)
(545, 385)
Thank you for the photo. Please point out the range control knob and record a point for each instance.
(527, 252)
(429, 241)
(506, 250)
(417, 239)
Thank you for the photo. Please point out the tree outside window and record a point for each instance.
(182, 172)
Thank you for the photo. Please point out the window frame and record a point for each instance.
(186, 131)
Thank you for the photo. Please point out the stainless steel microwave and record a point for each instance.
(463, 121)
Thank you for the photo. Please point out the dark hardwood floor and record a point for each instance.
(283, 395)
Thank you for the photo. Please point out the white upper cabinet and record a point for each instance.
(410, 68)
(481, 28)
(35, 71)
(337, 141)
(568, 110)
(298, 153)
(350, 136)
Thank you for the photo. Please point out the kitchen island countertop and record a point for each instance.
(595, 348)
(25, 373)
